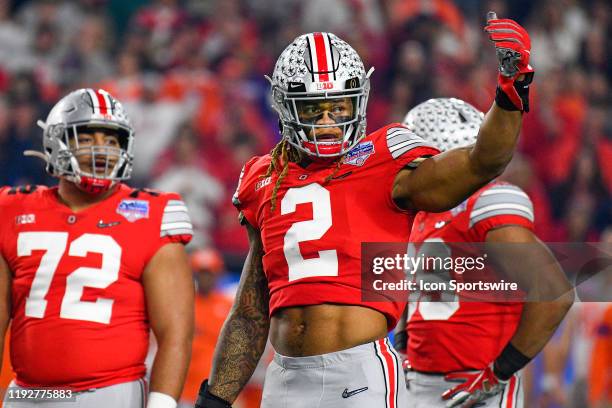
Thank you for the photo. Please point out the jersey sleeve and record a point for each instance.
(175, 224)
(244, 198)
(501, 205)
(405, 146)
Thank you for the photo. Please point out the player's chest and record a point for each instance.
(62, 241)
(347, 199)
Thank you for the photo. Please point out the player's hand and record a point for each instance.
(474, 388)
(513, 47)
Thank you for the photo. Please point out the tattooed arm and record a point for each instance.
(245, 332)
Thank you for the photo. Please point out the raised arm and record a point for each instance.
(444, 181)
(244, 334)
(169, 292)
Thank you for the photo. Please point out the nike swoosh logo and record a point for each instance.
(102, 224)
(440, 224)
(347, 393)
(341, 176)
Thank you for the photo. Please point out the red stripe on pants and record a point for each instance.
(511, 386)
(386, 353)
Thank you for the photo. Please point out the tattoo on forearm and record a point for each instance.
(244, 334)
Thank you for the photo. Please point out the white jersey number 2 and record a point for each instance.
(327, 262)
(54, 244)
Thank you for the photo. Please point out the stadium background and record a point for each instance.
(190, 74)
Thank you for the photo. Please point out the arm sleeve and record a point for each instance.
(501, 205)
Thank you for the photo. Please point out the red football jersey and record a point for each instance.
(79, 317)
(455, 336)
(312, 239)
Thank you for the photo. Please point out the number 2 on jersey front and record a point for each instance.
(327, 262)
(54, 244)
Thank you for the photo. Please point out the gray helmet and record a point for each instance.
(445, 122)
(318, 67)
(86, 108)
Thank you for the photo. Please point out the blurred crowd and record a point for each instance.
(191, 75)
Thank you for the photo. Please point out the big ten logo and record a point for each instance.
(25, 219)
(325, 85)
(263, 183)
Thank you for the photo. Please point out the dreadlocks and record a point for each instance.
(281, 155)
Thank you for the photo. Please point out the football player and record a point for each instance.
(483, 346)
(89, 266)
(309, 204)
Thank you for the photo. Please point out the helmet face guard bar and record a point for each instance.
(67, 151)
(87, 110)
(297, 129)
(315, 68)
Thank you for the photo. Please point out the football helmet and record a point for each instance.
(320, 69)
(445, 122)
(79, 110)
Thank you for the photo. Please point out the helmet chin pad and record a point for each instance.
(93, 185)
(326, 148)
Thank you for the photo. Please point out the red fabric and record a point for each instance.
(80, 351)
(358, 206)
(440, 345)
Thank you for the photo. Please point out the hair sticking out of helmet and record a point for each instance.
(71, 154)
(445, 122)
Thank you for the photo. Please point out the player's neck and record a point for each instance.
(77, 199)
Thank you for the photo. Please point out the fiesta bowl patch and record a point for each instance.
(360, 153)
(133, 210)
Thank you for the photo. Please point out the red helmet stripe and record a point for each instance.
(322, 56)
(102, 102)
(108, 99)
